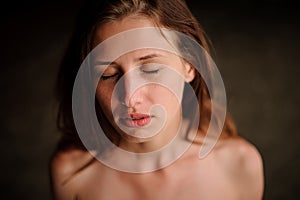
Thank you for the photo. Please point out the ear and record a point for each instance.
(189, 72)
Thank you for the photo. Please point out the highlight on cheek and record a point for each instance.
(140, 113)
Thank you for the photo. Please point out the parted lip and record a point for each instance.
(136, 119)
(134, 116)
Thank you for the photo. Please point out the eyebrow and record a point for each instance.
(143, 58)
(104, 63)
(152, 55)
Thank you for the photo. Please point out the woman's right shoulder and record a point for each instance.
(66, 163)
(64, 167)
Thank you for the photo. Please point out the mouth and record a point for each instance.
(135, 120)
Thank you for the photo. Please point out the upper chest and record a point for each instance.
(201, 180)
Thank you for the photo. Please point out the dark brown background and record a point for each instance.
(256, 49)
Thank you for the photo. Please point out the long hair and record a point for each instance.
(171, 14)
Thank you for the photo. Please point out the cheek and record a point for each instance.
(103, 97)
(163, 96)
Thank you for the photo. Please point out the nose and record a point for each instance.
(130, 94)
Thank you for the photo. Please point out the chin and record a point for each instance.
(135, 140)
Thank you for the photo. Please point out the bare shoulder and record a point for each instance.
(64, 166)
(66, 163)
(240, 151)
(244, 164)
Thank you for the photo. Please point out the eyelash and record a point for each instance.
(109, 77)
(151, 71)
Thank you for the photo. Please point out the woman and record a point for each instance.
(87, 168)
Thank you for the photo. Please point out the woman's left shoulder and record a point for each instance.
(243, 162)
(239, 150)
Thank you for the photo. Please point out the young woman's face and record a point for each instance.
(141, 112)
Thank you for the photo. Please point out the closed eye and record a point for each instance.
(151, 71)
(150, 68)
(106, 77)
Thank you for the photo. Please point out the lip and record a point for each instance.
(136, 120)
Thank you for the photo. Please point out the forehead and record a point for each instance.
(107, 30)
(147, 55)
(122, 37)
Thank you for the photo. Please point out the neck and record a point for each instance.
(148, 156)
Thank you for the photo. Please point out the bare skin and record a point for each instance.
(232, 170)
